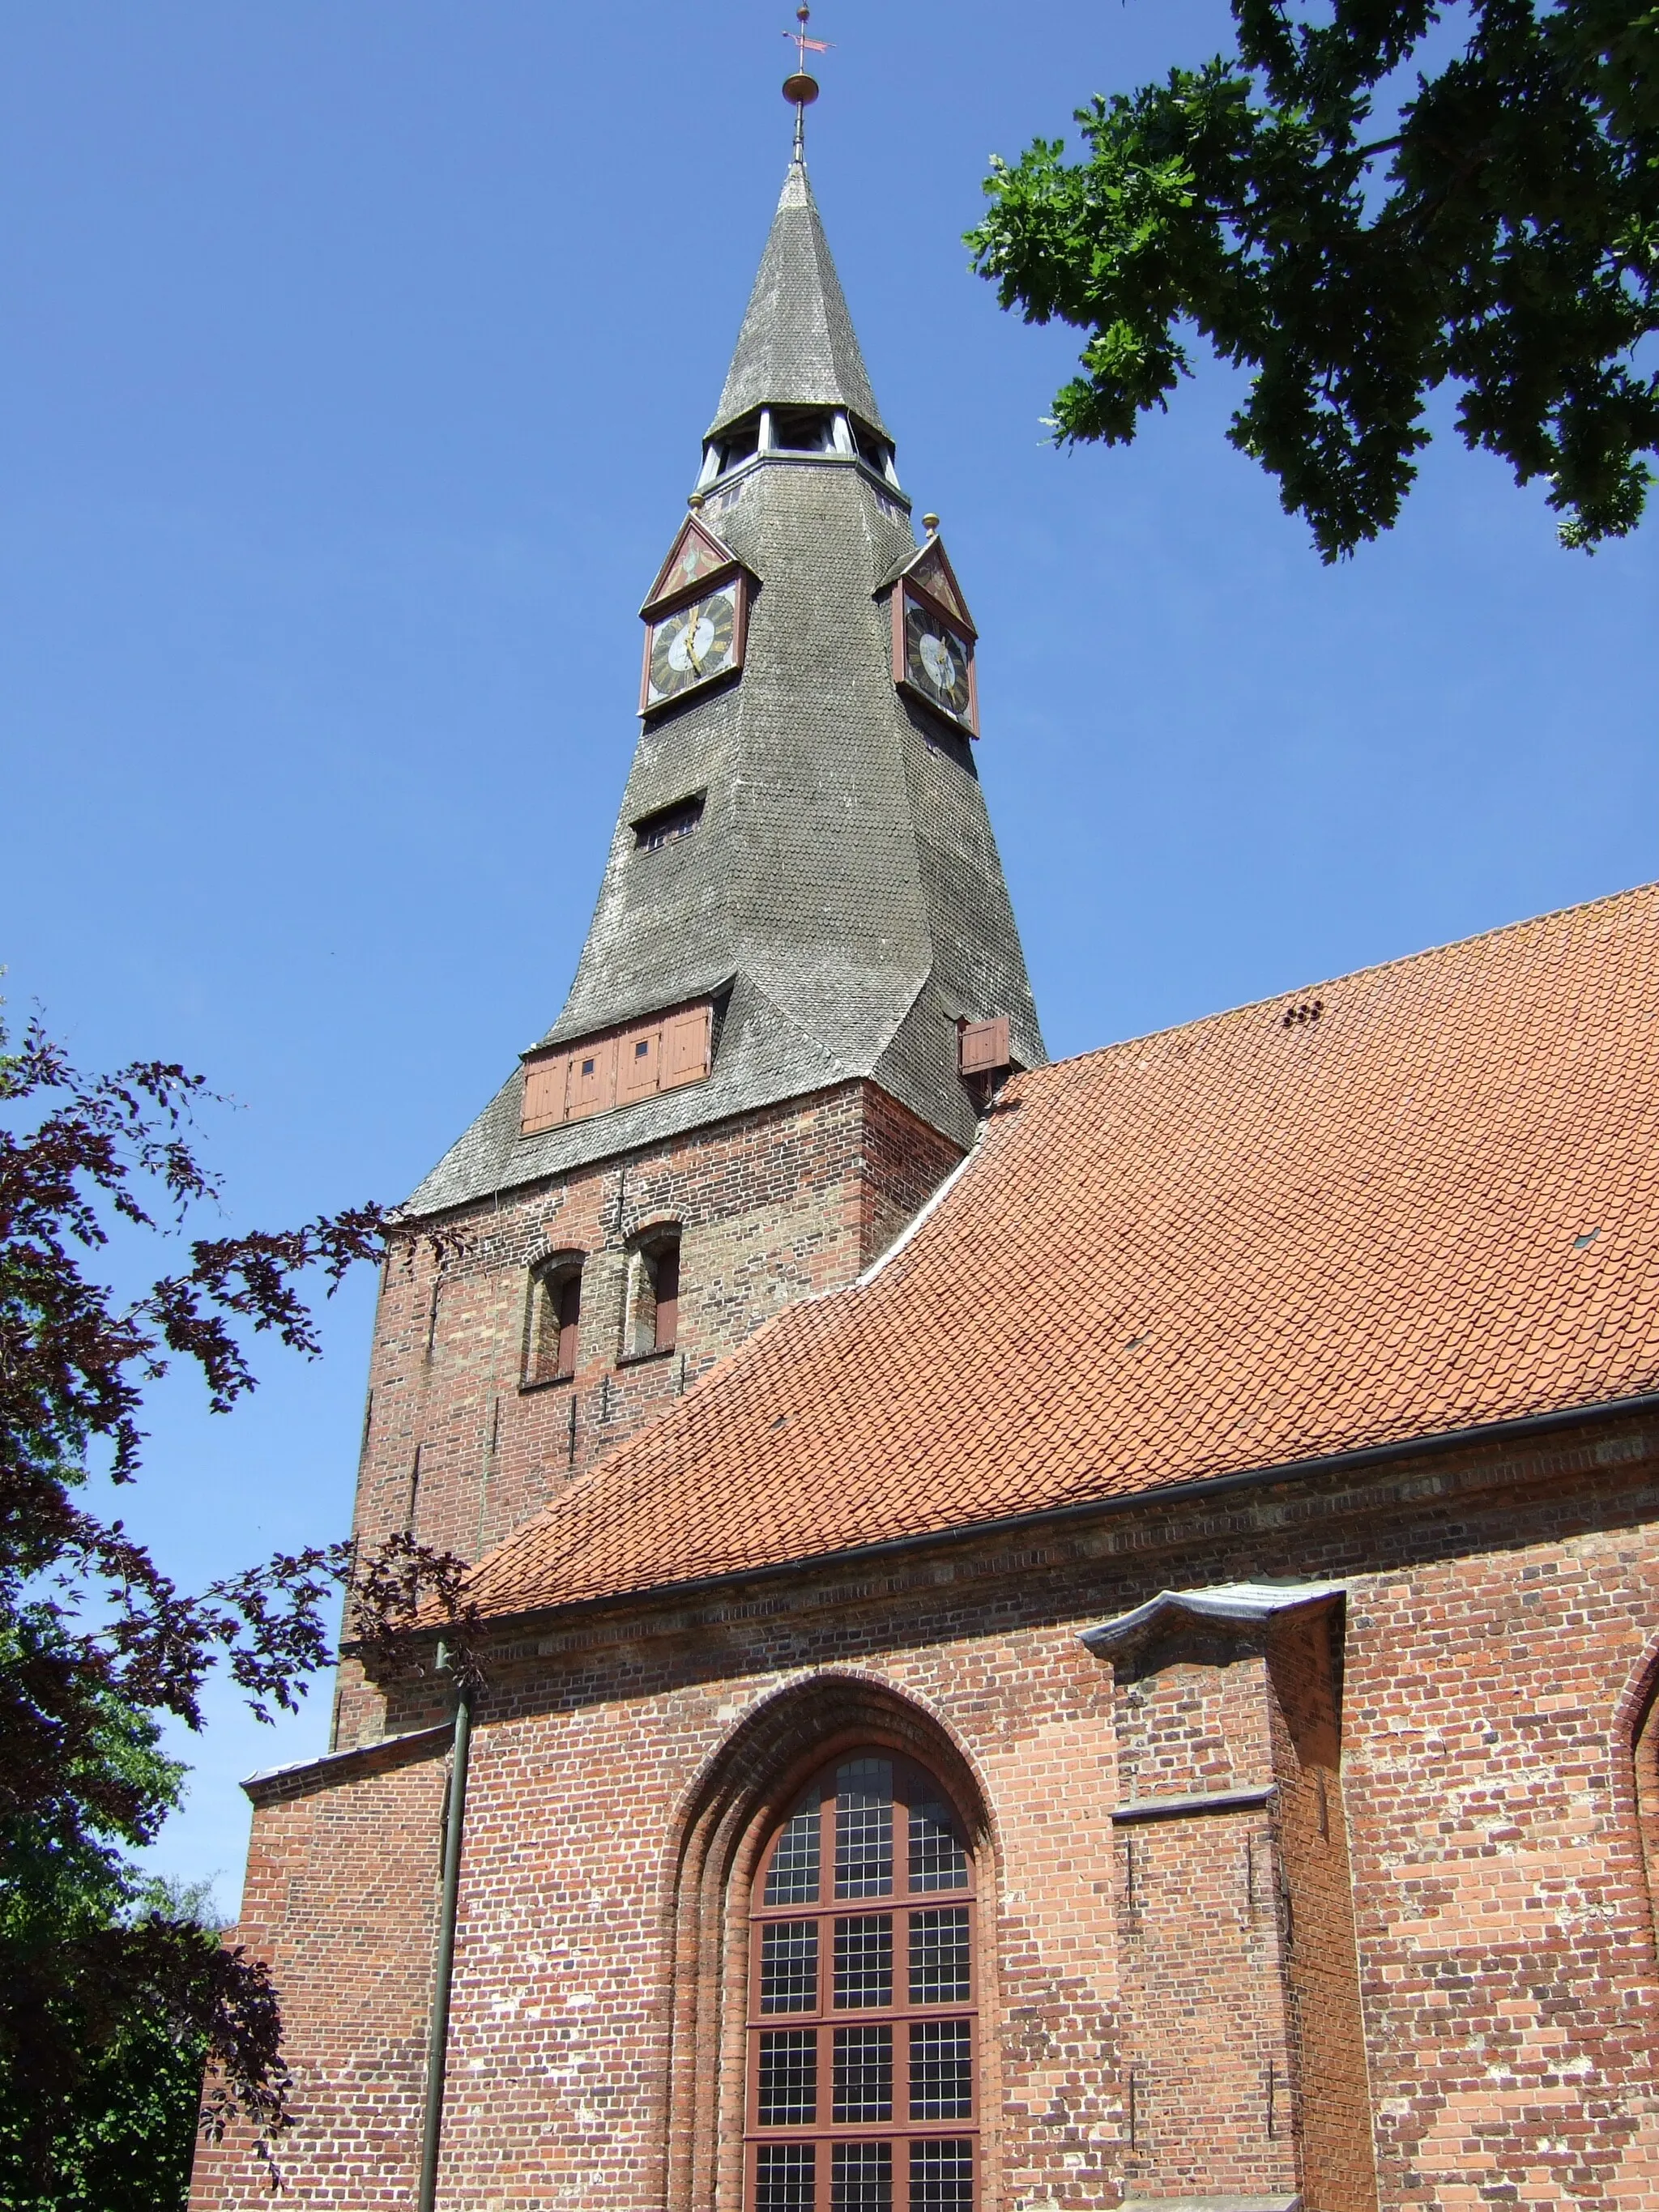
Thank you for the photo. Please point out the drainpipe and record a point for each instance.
(437, 2043)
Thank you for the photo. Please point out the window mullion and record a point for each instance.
(859, 2149)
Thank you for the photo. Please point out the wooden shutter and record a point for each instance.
(615, 1071)
(686, 1039)
(984, 1046)
(592, 1080)
(569, 1293)
(543, 1093)
(668, 1295)
(640, 1061)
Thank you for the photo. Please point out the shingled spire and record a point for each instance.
(802, 848)
(797, 346)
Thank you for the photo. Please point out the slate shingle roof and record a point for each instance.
(797, 346)
(1232, 1245)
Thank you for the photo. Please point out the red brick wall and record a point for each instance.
(1205, 2028)
(1501, 1622)
(1206, 2032)
(772, 1207)
(1505, 1942)
(340, 1897)
(1315, 1905)
(1242, 2046)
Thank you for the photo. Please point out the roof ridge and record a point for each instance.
(1028, 1076)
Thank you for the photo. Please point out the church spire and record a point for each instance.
(797, 346)
(803, 890)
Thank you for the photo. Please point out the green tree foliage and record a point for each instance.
(109, 2126)
(110, 1999)
(1500, 235)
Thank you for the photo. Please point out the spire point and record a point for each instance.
(799, 89)
(797, 346)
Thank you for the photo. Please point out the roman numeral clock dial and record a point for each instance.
(937, 661)
(694, 644)
(933, 657)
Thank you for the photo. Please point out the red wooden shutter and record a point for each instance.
(543, 1093)
(984, 1046)
(685, 1047)
(668, 1295)
(640, 1059)
(570, 1296)
(593, 1079)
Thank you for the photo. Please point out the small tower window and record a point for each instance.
(555, 1309)
(654, 1296)
(668, 824)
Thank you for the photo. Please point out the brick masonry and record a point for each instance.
(1436, 1929)
(341, 1863)
(772, 1206)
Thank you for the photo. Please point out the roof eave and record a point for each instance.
(1202, 1488)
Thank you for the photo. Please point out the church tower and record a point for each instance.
(800, 982)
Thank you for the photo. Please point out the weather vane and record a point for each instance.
(798, 88)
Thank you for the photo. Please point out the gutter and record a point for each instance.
(437, 2044)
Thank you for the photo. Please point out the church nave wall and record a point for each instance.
(1465, 1748)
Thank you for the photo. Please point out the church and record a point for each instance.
(1050, 1635)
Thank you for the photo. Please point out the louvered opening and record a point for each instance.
(802, 430)
(738, 444)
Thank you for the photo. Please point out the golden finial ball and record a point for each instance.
(930, 522)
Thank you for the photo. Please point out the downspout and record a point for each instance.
(437, 2042)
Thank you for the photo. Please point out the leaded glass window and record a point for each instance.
(866, 2100)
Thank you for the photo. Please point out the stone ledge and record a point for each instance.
(274, 1782)
(1175, 1808)
(1292, 2204)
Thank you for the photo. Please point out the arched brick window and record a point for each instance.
(651, 1323)
(862, 2090)
(553, 1331)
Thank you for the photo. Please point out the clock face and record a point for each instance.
(692, 646)
(938, 662)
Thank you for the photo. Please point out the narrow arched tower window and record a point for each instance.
(554, 1327)
(653, 1319)
(862, 2088)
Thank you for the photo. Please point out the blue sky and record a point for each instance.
(357, 361)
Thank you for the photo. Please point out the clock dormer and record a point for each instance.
(695, 617)
(933, 634)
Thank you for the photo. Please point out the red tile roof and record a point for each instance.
(1417, 1199)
